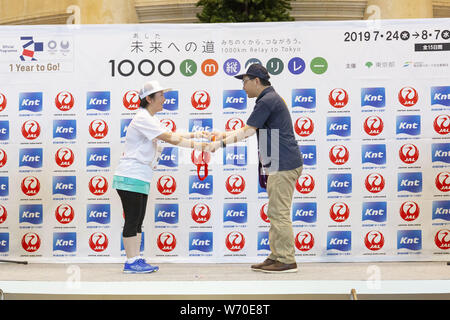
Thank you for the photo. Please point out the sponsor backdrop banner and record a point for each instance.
(369, 100)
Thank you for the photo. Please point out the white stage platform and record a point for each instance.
(405, 280)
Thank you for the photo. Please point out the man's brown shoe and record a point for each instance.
(279, 267)
(267, 262)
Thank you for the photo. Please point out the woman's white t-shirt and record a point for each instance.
(141, 147)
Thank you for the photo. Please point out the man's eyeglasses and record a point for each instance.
(245, 80)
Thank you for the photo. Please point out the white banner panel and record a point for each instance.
(369, 102)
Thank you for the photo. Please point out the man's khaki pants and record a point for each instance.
(280, 188)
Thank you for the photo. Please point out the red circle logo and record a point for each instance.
(235, 241)
(374, 240)
(64, 213)
(305, 184)
(442, 181)
(373, 125)
(201, 213)
(263, 213)
(31, 129)
(64, 101)
(2, 102)
(442, 239)
(339, 212)
(441, 124)
(374, 183)
(304, 241)
(408, 153)
(31, 242)
(98, 241)
(200, 100)
(169, 124)
(166, 185)
(131, 100)
(234, 124)
(235, 184)
(64, 157)
(3, 158)
(408, 96)
(166, 241)
(339, 154)
(98, 129)
(3, 214)
(409, 211)
(30, 186)
(98, 185)
(304, 126)
(338, 98)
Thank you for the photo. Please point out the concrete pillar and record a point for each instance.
(398, 9)
(106, 11)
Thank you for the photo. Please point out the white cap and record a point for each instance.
(151, 87)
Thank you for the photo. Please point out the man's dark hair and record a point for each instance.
(144, 103)
(265, 82)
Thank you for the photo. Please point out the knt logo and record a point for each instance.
(410, 181)
(98, 213)
(409, 125)
(202, 187)
(65, 185)
(200, 125)
(304, 98)
(167, 213)
(4, 242)
(440, 96)
(4, 130)
(409, 239)
(373, 153)
(171, 102)
(339, 240)
(304, 211)
(65, 129)
(98, 100)
(65, 241)
(235, 155)
(124, 123)
(373, 97)
(263, 240)
(340, 183)
(99, 157)
(309, 154)
(235, 99)
(169, 157)
(441, 210)
(31, 213)
(29, 157)
(374, 211)
(4, 186)
(235, 212)
(201, 241)
(440, 152)
(30, 101)
(339, 126)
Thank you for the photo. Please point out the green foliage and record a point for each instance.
(215, 11)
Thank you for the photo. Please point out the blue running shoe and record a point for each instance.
(138, 266)
(144, 263)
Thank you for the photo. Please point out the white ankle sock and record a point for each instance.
(131, 260)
